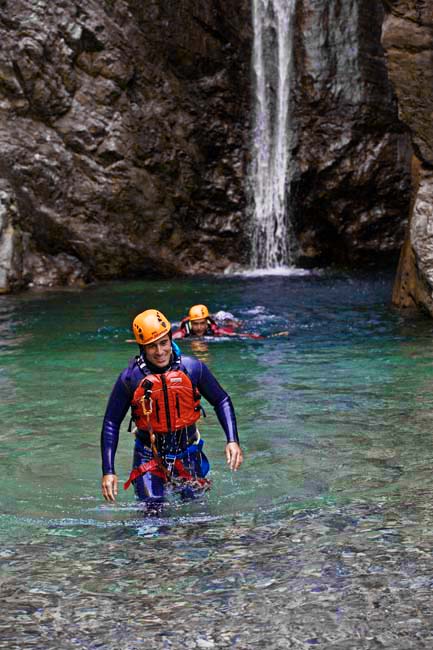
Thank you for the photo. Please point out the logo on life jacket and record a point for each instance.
(166, 402)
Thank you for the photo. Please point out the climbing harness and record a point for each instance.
(174, 471)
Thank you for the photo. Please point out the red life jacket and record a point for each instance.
(165, 402)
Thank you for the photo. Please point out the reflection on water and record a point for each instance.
(323, 538)
(200, 349)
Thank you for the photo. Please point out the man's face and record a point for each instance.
(199, 327)
(159, 352)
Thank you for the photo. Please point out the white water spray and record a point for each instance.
(270, 172)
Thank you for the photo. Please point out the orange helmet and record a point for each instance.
(197, 312)
(149, 326)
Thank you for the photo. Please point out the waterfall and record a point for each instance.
(270, 170)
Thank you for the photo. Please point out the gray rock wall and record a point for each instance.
(122, 131)
(124, 134)
(351, 194)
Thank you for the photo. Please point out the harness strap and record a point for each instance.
(156, 469)
(151, 466)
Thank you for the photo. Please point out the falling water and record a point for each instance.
(270, 173)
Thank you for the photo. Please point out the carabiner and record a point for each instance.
(146, 410)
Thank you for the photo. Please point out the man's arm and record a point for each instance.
(115, 412)
(213, 392)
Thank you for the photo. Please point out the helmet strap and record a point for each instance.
(147, 367)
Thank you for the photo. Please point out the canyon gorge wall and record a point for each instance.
(125, 137)
(408, 41)
(122, 135)
(350, 193)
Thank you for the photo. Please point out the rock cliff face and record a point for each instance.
(350, 197)
(122, 130)
(408, 39)
(125, 137)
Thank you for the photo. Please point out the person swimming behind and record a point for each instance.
(200, 323)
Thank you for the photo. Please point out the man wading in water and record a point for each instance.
(163, 390)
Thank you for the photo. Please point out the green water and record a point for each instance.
(324, 537)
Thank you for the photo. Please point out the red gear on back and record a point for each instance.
(221, 331)
(174, 402)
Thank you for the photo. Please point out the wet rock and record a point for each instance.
(414, 283)
(408, 39)
(10, 242)
(54, 270)
(352, 153)
(125, 133)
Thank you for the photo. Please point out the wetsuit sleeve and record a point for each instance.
(219, 399)
(117, 407)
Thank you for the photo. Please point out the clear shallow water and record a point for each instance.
(323, 538)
